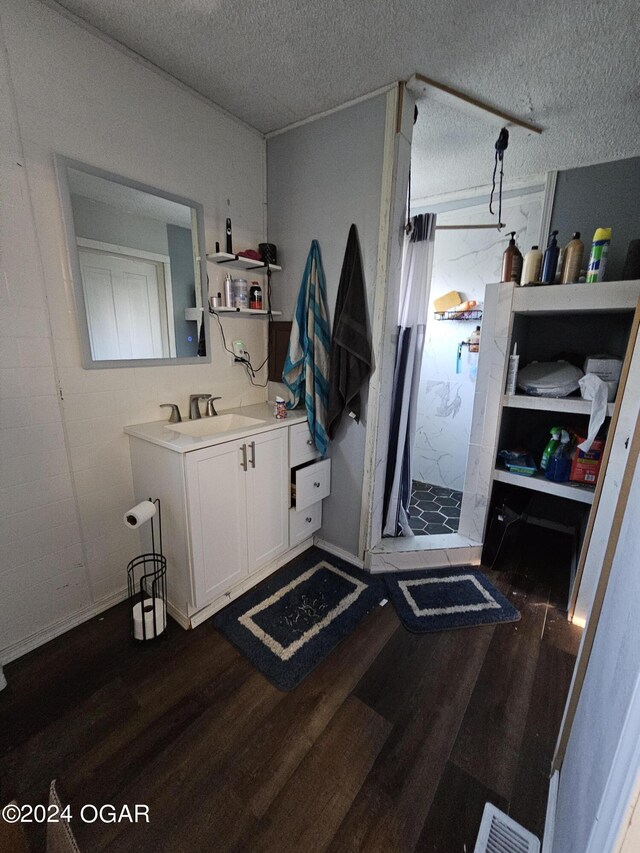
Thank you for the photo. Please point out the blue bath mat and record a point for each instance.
(447, 598)
(287, 625)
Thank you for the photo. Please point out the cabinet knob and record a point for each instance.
(317, 485)
(309, 441)
(308, 519)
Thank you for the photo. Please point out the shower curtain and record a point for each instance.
(415, 284)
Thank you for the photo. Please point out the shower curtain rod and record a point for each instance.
(470, 227)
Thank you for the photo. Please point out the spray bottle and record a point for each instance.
(552, 444)
(598, 256)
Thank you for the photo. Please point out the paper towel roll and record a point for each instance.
(145, 611)
(140, 513)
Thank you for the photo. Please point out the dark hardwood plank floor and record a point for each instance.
(394, 743)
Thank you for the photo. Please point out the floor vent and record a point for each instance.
(500, 834)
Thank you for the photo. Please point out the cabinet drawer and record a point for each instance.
(313, 483)
(302, 523)
(302, 447)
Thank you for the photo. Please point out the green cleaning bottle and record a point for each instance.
(552, 445)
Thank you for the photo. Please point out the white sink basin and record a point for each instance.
(215, 425)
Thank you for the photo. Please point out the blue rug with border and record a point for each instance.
(444, 599)
(290, 622)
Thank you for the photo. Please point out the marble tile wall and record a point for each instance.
(464, 261)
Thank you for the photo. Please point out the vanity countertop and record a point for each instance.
(161, 432)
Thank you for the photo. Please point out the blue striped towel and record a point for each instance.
(306, 369)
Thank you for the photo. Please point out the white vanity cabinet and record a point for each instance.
(228, 515)
(237, 509)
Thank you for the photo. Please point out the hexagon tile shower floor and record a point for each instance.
(434, 509)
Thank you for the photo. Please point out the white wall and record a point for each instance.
(607, 699)
(66, 473)
(464, 261)
(322, 177)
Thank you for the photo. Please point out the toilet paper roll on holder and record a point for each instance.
(147, 582)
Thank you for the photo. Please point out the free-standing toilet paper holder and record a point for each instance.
(147, 585)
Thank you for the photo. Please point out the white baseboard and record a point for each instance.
(338, 552)
(550, 819)
(16, 650)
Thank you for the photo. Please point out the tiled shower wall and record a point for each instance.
(464, 261)
(65, 468)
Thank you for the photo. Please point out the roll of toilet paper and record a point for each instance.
(143, 628)
(139, 513)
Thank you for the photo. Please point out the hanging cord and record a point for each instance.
(501, 145)
(409, 224)
(251, 370)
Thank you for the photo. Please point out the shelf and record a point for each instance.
(539, 483)
(570, 405)
(256, 312)
(474, 314)
(606, 296)
(234, 262)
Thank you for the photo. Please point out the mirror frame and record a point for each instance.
(63, 163)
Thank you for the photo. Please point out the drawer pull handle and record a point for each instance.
(243, 463)
(309, 441)
(308, 519)
(252, 445)
(317, 485)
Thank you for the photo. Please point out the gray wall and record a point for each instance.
(606, 195)
(321, 177)
(611, 677)
(95, 220)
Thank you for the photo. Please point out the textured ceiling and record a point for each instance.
(572, 68)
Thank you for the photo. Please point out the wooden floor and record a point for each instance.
(394, 743)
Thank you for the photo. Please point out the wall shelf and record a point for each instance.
(235, 262)
(539, 483)
(254, 312)
(570, 405)
(474, 314)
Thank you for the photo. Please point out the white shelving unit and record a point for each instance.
(235, 262)
(539, 483)
(569, 405)
(548, 322)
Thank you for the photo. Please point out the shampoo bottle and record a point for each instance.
(598, 256)
(531, 266)
(512, 261)
(572, 260)
(550, 261)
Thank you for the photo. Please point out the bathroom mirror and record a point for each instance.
(139, 275)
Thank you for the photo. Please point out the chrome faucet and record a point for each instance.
(211, 409)
(194, 405)
(175, 417)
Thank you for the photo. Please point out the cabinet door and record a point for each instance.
(267, 498)
(216, 501)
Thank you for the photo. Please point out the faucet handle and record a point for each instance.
(211, 409)
(175, 417)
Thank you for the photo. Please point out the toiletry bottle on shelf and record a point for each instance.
(598, 256)
(229, 245)
(512, 261)
(512, 371)
(559, 463)
(474, 340)
(531, 266)
(572, 260)
(255, 296)
(550, 261)
(229, 295)
(241, 293)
